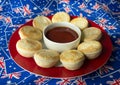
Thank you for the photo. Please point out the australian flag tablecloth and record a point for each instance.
(14, 13)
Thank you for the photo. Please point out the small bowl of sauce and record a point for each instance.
(61, 36)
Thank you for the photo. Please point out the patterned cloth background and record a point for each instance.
(14, 13)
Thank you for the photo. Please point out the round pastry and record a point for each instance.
(81, 22)
(27, 47)
(72, 59)
(60, 17)
(91, 49)
(41, 22)
(30, 32)
(91, 33)
(46, 58)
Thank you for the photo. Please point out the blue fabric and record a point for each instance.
(13, 14)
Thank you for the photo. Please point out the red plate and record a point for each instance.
(60, 72)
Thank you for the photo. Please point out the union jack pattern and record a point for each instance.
(111, 27)
(26, 10)
(105, 69)
(67, 9)
(105, 7)
(2, 63)
(64, 1)
(80, 81)
(88, 11)
(41, 80)
(8, 20)
(14, 13)
(114, 82)
(102, 25)
(17, 10)
(96, 6)
(103, 21)
(82, 6)
(64, 81)
(11, 75)
(46, 11)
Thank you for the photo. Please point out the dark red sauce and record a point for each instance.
(61, 34)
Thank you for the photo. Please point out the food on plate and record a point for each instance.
(46, 58)
(72, 59)
(27, 47)
(30, 32)
(91, 49)
(41, 22)
(81, 22)
(61, 17)
(91, 33)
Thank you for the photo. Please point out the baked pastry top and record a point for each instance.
(46, 58)
(30, 32)
(90, 46)
(72, 59)
(61, 17)
(81, 22)
(72, 56)
(91, 33)
(41, 22)
(28, 47)
(28, 44)
(46, 54)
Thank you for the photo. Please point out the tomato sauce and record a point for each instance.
(61, 34)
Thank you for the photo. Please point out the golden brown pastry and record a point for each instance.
(27, 47)
(61, 17)
(91, 33)
(91, 49)
(80, 22)
(72, 59)
(41, 22)
(46, 58)
(30, 32)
